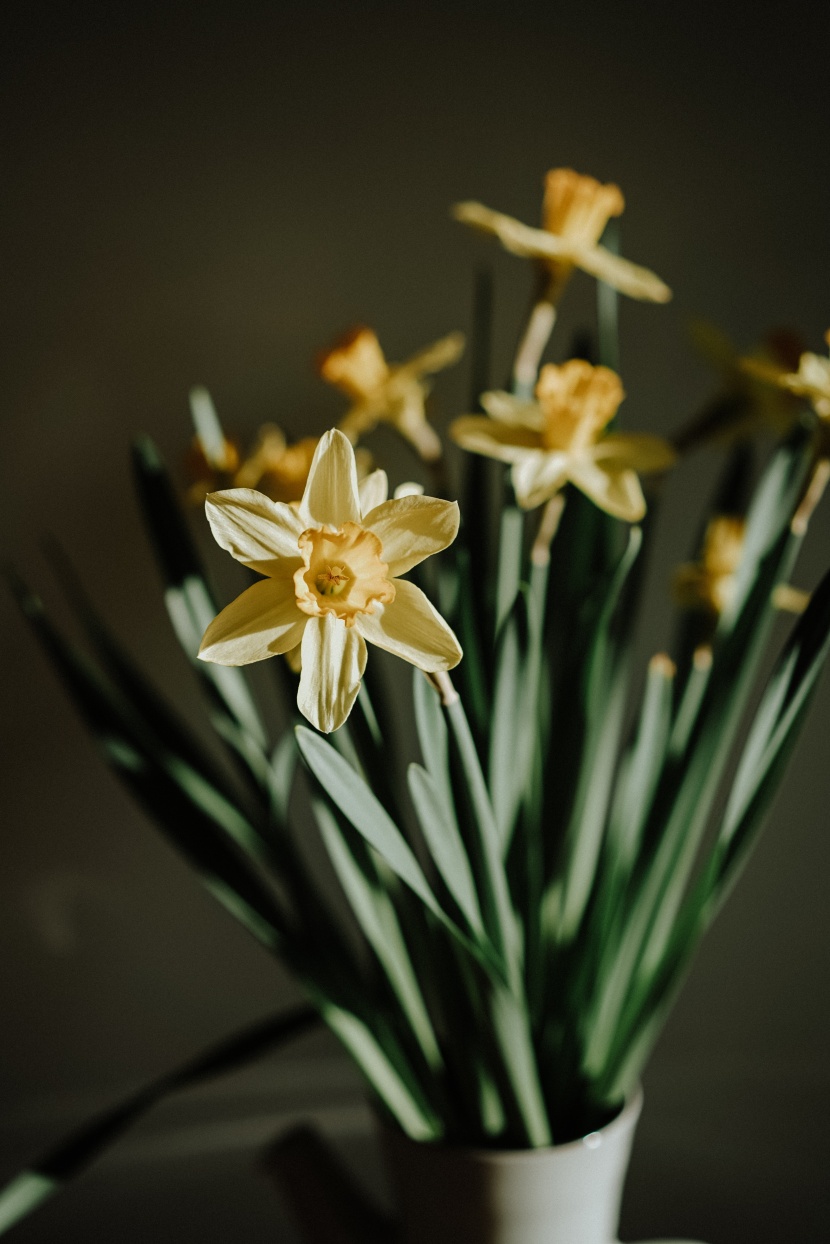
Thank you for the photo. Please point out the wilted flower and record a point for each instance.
(559, 439)
(332, 565)
(575, 212)
(387, 392)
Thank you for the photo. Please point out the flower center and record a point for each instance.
(342, 573)
(331, 581)
(578, 401)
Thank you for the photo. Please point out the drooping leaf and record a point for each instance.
(76, 1152)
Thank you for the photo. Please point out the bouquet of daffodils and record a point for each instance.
(518, 905)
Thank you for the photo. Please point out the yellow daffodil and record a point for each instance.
(709, 583)
(575, 211)
(273, 466)
(559, 439)
(811, 380)
(332, 567)
(387, 392)
(744, 405)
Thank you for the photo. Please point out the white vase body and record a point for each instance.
(565, 1194)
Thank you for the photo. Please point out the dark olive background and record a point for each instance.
(209, 193)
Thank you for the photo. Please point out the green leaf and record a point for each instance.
(73, 1155)
(432, 734)
(605, 700)
(412, 1115)
(189, 601)
(641, 770)
(133, 685)
(193, 815)
(24, 1194)
(511, 1025)
(484, 845)
(443, 840)
(777, 721)
(351, 796)
(355, 800)
(514, 721)
(375, 914)
(510, 561)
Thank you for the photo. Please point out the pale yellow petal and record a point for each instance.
(481, 435)
(409, 418)
(634, 450)
(263, 622)
(373, 490)
(514, 411)
(412, 528)
(258, 532)
(434, 357)
(530, 243)
(537, 477)
(618, 492)
(519, 239)
(412, 629)
(629, 278)
(333, 658)
(330, 497)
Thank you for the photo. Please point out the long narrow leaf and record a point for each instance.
(446, 848)
(193, 815)
(189, 600)
(74, 1154)
(338, 781)
(376, 917)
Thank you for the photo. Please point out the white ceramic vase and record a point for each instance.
(566, 1194)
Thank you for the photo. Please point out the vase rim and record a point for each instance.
(624, 1121)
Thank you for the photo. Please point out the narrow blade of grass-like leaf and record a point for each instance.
(444, 843)
(643, 764)
(514, 721)
(487, 862)
(189, 600)
(339, 782)
(605, 691)
(74, 1154)
(511, 1025)
(377, 919)
(432, 734)
(186, 811)
(413, 1116)
(134, 686)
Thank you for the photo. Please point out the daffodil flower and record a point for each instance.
(558, 439)
(331, 567)
(811, 380)
(273, 466)
(387, 392)
(709, 584)
(575, 212)
(744, 405)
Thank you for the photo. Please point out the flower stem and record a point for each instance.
(531, 347)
